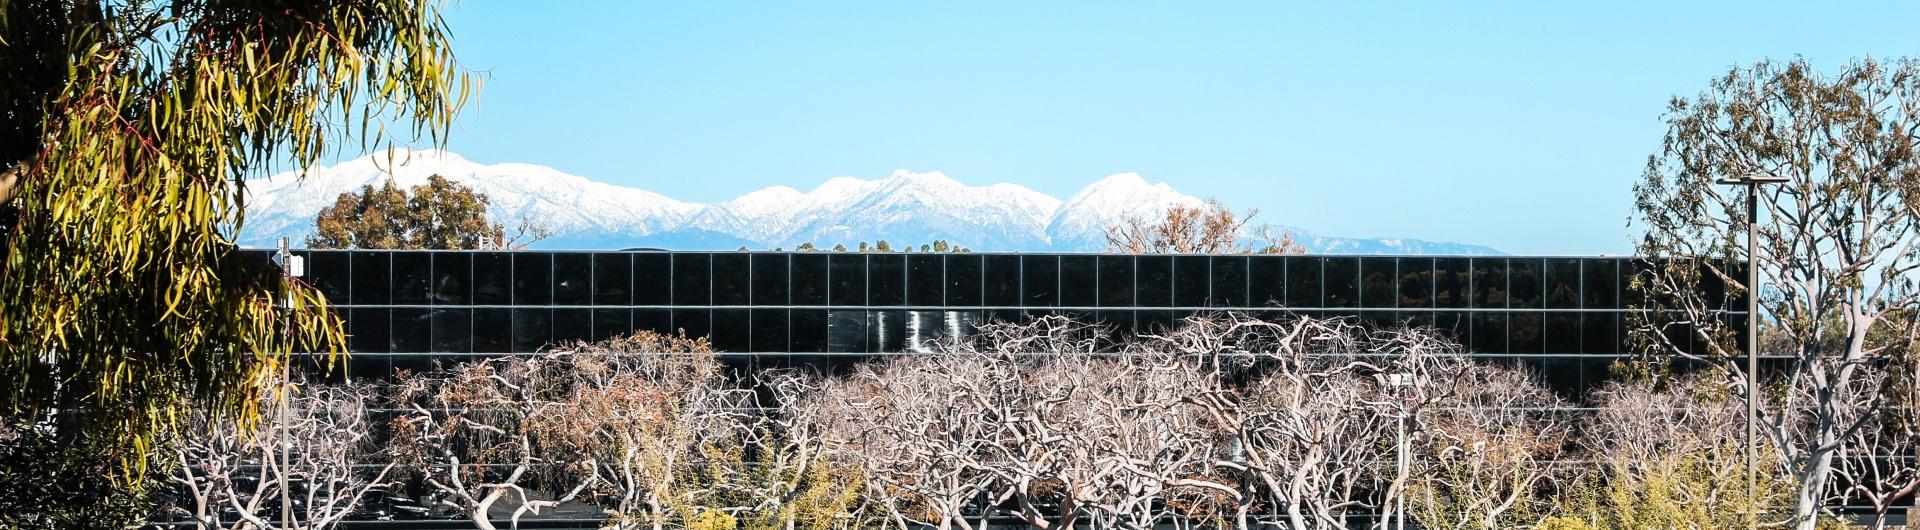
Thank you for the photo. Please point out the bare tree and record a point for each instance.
(1207, 228)
(1836, 245)
(313, 459)
(1488, 458)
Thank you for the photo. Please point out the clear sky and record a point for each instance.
(1519, 125)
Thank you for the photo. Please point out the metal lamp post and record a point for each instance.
(1752, 182)
(1396, 383)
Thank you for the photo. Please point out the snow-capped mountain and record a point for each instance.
(902, 208)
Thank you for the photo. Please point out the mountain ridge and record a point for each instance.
(904, 207)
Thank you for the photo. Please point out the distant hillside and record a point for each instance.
(902, 208)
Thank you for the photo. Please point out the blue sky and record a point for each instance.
(1519, 125)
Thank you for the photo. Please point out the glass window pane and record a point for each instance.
(1416, 282)
(1079, 281)
(610, 322)
(889, 331)
(452, 330)
(1490, 283)
(571, 325)
(1002, 275)
(926, 280)
(1191, 281)
(1489, 332)
(847, 331)
(1600, 332)
(808, 330)
(1152, 321)
(887, 279)
(693, 280)
(532, 329)
(963, 280)
(1562, 333)
(532, 278)
(1630, 297)
(330, 272)
(1524, 283)
(1523, 332)
(1228, 282)
(849, 278)
(1455, 325)
(367, 329)
(412, 277)
(770, 279)
(770, 331)
(1600, 283)
(452, 278)
(1379, 283)
(809, 279)
(694, 323)
(1303, 282)
(572, 279)
(1040, 280)
(924, 330)
(1118, 326)
(654, 320)
(732, 331)
(1267, 282)
(1452, 283)
(493, 279)
(1153, 286)
(1563, 284)
(372, 277)
(1116, 281)
(492, 330)
(1341, 286)
(652, 278)
(731, 274)
(612, 278)
(412, 330)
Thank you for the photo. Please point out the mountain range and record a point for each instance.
(904, 208)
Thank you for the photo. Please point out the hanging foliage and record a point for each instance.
(127, 132)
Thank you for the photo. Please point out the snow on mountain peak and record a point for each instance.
(905, 207)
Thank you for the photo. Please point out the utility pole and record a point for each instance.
(1397, 383)
(290, 268)
(1753, 182)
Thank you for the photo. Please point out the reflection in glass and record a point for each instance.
(612, 278)
(654, 320)
(1600, 333)
(926, 280)
(808, 330)
(572, 325)
(1303, 282)
(1116, 281)
(330, 272)
(1079, 281)
(1379, 283)
(493, 279)
(692, 280)
(412, 330)
(849, 279)
(532, 278)
(963, 280)
(1523, 332)
(924, 329)
(1490, 283)
(1341, 285)
(1563, 284)
(809, 279)
(372, 277)
(652, 278)
(1416, 282)
(1524, 283)
(1228, 282)
(1152, 321)
(770, 279)
(1153, 286)
(452, 330)
(367, 329)
(889, 331)
(770, 330)
(572, 278)
(1489, 332)
(1267, 282)
(887, 280)
(1191, 281)
(732, 330)
(1452, 283)
(532, 329)
(694, 323)
(1002, 274)
(1040, 280)
(1562, 333)
(1600, 283)
(731, 274)
(611, 322)
(492, 330)
(412, 277)
(847, 331)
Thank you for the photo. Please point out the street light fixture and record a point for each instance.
(1396, 383)
(1752, 182)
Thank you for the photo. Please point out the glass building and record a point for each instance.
(1561, 315)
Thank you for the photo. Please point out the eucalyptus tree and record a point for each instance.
(1837, 246)
(128, 131)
